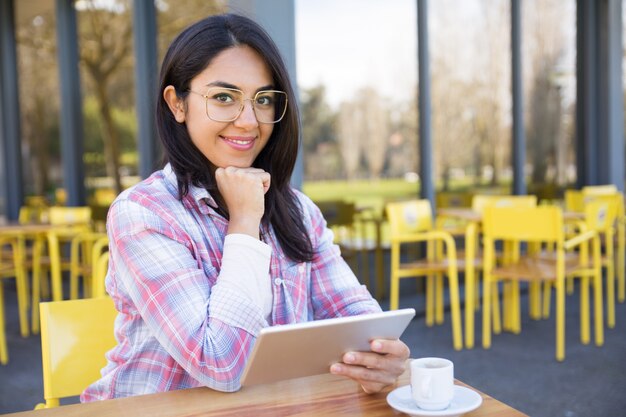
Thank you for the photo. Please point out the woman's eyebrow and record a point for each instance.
(229, 85)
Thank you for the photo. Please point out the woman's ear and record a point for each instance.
(175, 103)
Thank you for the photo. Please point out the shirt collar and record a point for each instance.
(198, 194)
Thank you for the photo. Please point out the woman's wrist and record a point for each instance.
(244, 225)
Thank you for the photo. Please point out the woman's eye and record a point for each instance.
(223, 98)
(265, 100)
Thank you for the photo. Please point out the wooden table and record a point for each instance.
(322, 395)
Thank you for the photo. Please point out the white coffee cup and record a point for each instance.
(432, 383)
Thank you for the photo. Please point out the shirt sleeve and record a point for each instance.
(335, 290)
(208, 331)
(245, 269)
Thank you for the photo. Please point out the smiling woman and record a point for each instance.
(217, 245)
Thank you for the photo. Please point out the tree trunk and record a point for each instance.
(110, 136)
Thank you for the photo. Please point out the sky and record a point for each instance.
(349, 44)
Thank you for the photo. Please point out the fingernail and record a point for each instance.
(377, 346)
(349, 358)
(335, 368)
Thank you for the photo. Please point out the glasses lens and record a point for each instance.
(223, 104)
(270, 106)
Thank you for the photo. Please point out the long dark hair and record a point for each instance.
(188, 55)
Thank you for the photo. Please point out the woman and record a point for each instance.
(216, 246)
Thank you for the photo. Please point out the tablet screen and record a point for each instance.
(304, 349)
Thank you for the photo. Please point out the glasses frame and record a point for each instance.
(243, 100)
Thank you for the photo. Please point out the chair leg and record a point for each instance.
(621, 262)
(487, 303)
(584, 309)
(457, 334)
(560, 319)
(610, 292)
(495, 311)
(439, 299)
(394, 293)
(430, 300)
(547, 295)
(4, 353)
(469, 307)
(534, 300)
(21, 287)
(597, 293)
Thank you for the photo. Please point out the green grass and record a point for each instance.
(364, 193)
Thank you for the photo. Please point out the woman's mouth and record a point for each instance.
(238, 142)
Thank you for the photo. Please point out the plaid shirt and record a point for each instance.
(177, 327)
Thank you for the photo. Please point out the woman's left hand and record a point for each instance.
(376, 369)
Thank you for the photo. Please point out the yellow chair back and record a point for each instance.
(482, 201)
(574, 201)
(69, 215)
(75, 335)
(600, 213)
(532, 224)
(599, 189)
(406, 217)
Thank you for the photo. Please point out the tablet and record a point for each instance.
(304, 349)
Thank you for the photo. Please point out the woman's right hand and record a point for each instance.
(243, 191)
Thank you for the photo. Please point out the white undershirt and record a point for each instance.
(245, 268)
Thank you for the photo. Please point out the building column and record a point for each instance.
(278, 18)
(12, 194)
(71, 104)
(146, 73)
(517, 96)
(427, 188)
(599, 101)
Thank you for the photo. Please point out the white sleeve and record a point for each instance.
(245, 268)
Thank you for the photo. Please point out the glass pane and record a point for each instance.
(471, 100)
(357, 71)
(549, 54)
(39, 98)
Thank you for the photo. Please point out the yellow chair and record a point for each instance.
(540, 225)
(83, 254)
(598, 190)
(14, 268)
(100, 268)
(68, 222)
(472, 301)
(412, 222)
(4, 351)
(75, 335)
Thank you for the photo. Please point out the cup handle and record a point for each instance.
(426, 388)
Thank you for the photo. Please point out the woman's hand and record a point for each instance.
(377, 369)
(243, 191)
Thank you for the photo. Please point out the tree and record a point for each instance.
(39, 99)
(319, 138)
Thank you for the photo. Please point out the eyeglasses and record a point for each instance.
(226, 104)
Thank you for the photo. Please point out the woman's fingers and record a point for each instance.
(377, 369)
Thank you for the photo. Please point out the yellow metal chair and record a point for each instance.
(536, 226)
(472, 234)
(412, 222)
(75, 335)
(68, 222)
(14, 268)
(620, 232)
(100, 268)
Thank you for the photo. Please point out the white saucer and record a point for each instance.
(464, 401)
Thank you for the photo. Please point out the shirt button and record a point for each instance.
(301, 269)
(278, 281)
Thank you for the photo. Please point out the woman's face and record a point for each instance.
(235, 143)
